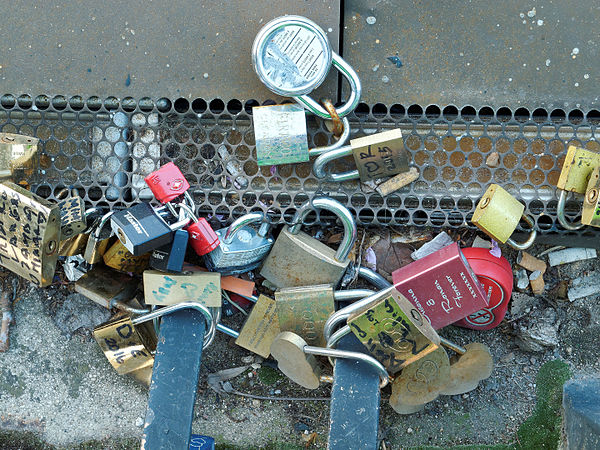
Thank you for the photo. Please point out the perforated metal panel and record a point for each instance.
(106, 147)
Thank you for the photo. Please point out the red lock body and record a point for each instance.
(442, 286)
(167, 183)
(203, 238)
(497, 278)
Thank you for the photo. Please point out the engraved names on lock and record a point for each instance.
(304, 311)
(168, 289)
(380, 155)
(261, 327)
(72, 217)
(121, 259)
(29, 231)
(280, 133)
(123, 346)
(393, 331)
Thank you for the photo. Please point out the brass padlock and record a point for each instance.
(298, 259)
(574, 177)
(18, 158)
(261, 327)
(121, 259)
(591, 202)
(29, 233)
(392, 329)
(304, 310)
(76, 244)
(498, 213)
(101, 238)
(376, 156)
(72, 215)
(107, 287)
(473, 364)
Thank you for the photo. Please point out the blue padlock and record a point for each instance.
(169, 257)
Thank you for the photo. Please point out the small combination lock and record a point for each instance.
(167, 183)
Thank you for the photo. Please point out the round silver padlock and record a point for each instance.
(292, 56)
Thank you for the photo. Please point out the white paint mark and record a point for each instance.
(205, 75)
(531, 13)
(547, 63)
(371, 20)
(385, 79)
(576, 84)
(586, 76)
(540, 22)
(375, 67)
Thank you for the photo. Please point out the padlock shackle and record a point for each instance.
(452, 346)
(351, 294)
(355, 91)
(532, 235)
(337, 144)
(326, 158)
(329, 204)
(335, 353)
(241, 222)
(122, 306)
(103, 220)
(373, 277)
(186, 208)
(560, 213)
(159, 312)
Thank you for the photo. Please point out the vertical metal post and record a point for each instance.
(354, 409)
(168, 423)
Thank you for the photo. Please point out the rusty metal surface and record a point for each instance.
(504, 53)
(139, 48)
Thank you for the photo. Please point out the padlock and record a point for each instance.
(261, 327)
(99, 240)
(169, 257)
(202, 237)
(496, 277)
(167, 183)
(575, 177)
(420, 382)
(392, 330)
(193, 286)
(121, 259)
(292, 56)
(442, 286)
(29, 234)
(591, 203)
(141, 229)
(77, 244)
(498, 213)
(298, 259)
(296, 359)
(304, 310)
(72, 215)
(241, 248)
(18, 158)
(108, 288)
(376, 156)
(473, 365)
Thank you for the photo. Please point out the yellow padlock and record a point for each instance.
(574, 176)
(498, 213)
(591, 203)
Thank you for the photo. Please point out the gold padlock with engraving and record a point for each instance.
(18, 158)
(498, 213)
(107, 287)
(29, 234)
(121, 259)
(574, 177)
(591, 202)
(393, 330)
(72, 215)
(261, 327)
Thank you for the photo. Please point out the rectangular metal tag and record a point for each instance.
(304, 311)
(394, 331)
(280, 134)
(261, 327)
(380, 155)
(167, 289)
(123, 346)
(29, 233)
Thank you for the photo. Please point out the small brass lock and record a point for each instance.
(18, 158)
(106, 287)
(261, 327)
(591, 203)
(121, 259)
(75, 245)
(376, 156)
(294, 250)
(72, 214)
(100, 239)
(574, 177)
(29, 233)
(193, 286)
(498, 214)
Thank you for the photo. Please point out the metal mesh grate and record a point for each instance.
(106, 147)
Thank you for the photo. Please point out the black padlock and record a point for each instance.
(141, 229)
(169, 257)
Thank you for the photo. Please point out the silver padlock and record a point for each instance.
(241, 248)
(292, 56)
(298, 259)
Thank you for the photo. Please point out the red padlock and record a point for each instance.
(496, 276)
(167, 183)
(203, 238)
